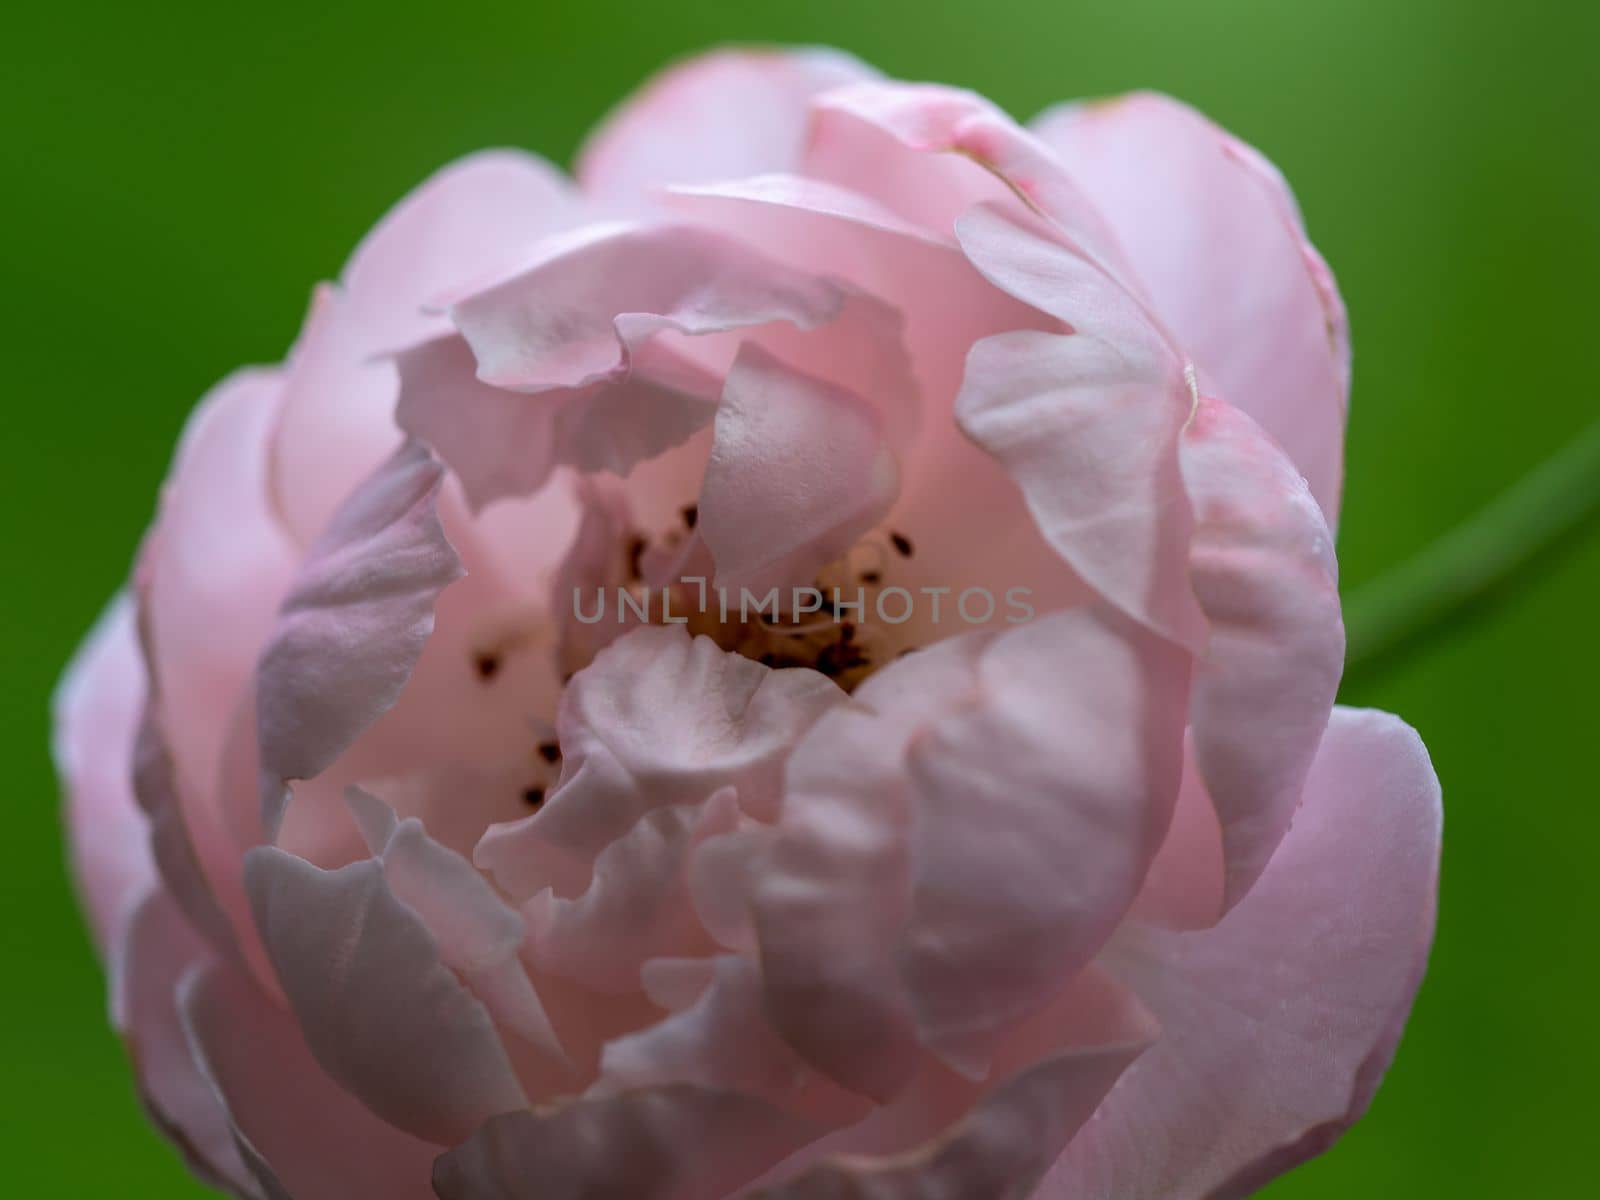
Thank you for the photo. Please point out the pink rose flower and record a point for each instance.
(446, 831)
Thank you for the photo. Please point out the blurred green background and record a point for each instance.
(177, 176)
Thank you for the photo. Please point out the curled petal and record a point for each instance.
(353, 625)
(1215, 237)
(478, 934)
(638, 906)
(1262, 567)
(380, 1010)
(504, 443)
(657, 719)
(799, 470)
(1277, 1024)
(579, 314)
(1086, 423)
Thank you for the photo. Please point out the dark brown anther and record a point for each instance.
(901, 543)
(839, 658)
(533, 797)
(847, 632)
(872, 577)
(488, 665)
(691, 514)
(636, 548)
(549, 751)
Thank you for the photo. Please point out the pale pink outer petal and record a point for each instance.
(1215, 236)
(931, 152)
(1279, 1023)
(731, 112)
(467, 220)
(1262, 566)
(158, 947)
(1086, 422)
(95, 713)
(799, 470)
(678, 1142)
(155, 785)
(353, 624)
(303, 1137)
(995, 1139)
(219, 547)
(657, 719)
(380, 1010)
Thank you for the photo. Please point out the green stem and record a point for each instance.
(1477, 556)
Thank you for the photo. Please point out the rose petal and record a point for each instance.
(158, 947)
(302, 1136)
(1214, 234)
(579, 313)
(731, 112)
(658, 719)
(1039, 807)
(464, 222)
(95, 713)
(1087, 423)
(638, 906)
(503, 443)
(723, 1041)
(353, 625)
(1263, 569)
(1051, 1076)
(931, 152)
(1278, 1024)
(972, 535)
(671, 1143)
(155, 786)
(799, 471)
(1184, 887)
(833, 894)
(380, 1010)
(219, 547)
(478, 934)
